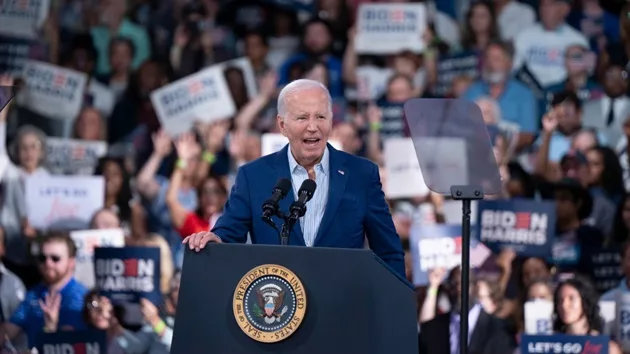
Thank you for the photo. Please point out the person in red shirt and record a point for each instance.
(211, 193)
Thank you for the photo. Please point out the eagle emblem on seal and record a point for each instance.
(270, 301)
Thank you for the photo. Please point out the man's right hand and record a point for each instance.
(199, 240)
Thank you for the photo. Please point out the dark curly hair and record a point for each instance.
(590, 306)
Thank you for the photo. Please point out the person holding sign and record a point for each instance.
(576, 310)
(347, 204)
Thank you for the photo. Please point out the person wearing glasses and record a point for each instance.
(57, 302)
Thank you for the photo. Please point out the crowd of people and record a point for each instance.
(562, 136)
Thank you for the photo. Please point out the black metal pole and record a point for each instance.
(465, 281)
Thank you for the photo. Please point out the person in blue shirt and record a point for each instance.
(57, 302)
(516, 101)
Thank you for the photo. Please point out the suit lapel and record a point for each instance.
(283, 171)
(479, 334)
(338, 176)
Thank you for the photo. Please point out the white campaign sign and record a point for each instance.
(203, 96)
(86, 241)
(390, 28)
(22, 18)
(73, 157)
(63, 202)
(273, 142)
(404, 177)
(51, 90)
(538, 317)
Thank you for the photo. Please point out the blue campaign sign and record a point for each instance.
(604, 266)
(128, 274)
(294, 5)
(565, 344)
(526, 226)
(439, 246)
(78, 342)
(450, 67)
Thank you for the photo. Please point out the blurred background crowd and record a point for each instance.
(549, 76)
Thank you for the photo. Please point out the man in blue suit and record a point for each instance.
(347, 205)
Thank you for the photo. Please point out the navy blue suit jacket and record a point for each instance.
(356, 207)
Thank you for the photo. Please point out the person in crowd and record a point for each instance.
(90, 125)
(99, 314)
(305, 117)
(114, 23)
(56, 303)
(121, 54)
(605, 177)
(516, 101)
(538, 289)
(622, 221)
(211, 192)
(576, 310)
(154, 189)
(480, 28)
(512, 17)
(117, 188)
(487, 333)
(580, 65)
(540, 47)
(104, 219)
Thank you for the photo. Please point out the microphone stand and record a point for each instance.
(289, 220)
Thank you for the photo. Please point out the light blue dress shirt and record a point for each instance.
(315, 208)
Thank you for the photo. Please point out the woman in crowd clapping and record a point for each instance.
(576, 310)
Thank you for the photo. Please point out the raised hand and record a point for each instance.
(550, 120)
(436, 275)
(50, 307)
(215, 135)
(187, 146)
(162, 144)
(269, 84)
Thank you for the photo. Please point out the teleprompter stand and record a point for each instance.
(466, 194)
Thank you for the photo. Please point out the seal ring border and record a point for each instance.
(269, 337)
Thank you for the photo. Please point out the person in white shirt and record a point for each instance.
(541, 47)
(513, 17)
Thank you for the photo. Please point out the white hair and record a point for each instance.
(297, 86)
(496, 109)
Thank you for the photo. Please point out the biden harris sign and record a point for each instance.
(127, 274)
(526, 226)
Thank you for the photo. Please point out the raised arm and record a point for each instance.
(187, 148)
(146, 184)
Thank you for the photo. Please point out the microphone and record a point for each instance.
(298, 208)
(270, 206)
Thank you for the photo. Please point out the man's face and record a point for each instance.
(569, 118)
(577, 60)
(255, 48)
(347, 135)
(553, 12)
(497, 61)
(307, 124)
(54, 261)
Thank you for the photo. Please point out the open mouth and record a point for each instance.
(313, 141)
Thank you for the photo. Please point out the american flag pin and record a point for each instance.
(341, 172)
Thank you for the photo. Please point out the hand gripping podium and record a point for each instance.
(248, 299)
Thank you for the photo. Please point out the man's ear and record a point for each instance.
(281, 125)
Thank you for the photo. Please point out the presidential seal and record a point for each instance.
(269, 303)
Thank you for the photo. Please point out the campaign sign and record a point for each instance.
(565, 344)
(15, 52)
(294, 5)
(73, 157)
(440, 246)
(63, 202)
(72, 342)
(128, 274)
(52, 91)
(526, 226)
(404, 177)
(390, 28)
(22, 18)
(86, 241)
(605, 268)
(202, 96)
(450, 67)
